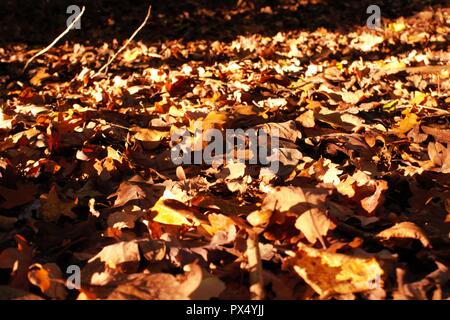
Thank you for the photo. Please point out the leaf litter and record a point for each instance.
(360, 208)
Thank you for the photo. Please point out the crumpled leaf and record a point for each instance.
(284, 130)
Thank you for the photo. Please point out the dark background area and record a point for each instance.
(40, 21)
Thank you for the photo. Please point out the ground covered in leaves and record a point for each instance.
(360, 207)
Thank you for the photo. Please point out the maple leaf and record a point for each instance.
(53, 207)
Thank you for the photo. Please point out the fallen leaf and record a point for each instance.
(49, 279)
(334, 273)
(405, 230)
(372, 202)
(158, 286)
(119, 253)
(53, 207)
(17, 197)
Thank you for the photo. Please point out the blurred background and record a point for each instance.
(40, 21)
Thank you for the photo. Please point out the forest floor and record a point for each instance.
(359, 207)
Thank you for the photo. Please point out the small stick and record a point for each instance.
(69, 27)
(255, 267)
(126, 43)
(425, 107)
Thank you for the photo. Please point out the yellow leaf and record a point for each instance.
(306, 119)
(260, 218)
(398, 26)
(218, 222)
(131, 55)
(333, 273)
(419, 97)
(144, 134)
(150, 138)
(169, 215)
(39, 76)
(407, 123)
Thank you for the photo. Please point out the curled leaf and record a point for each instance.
(405, 230)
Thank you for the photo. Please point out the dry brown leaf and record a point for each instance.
(158, 286)
(308, 204)
(210, 287)
(17, 197)
(119, 253)
(440, 156)
(8, 293)
(150, 138)
(441, 134)
(121, 220)
(372, 202)
(405, 230)
(306, 119)
(218, 222)
(54, 207)
(7, 223)
(8, 258)
(284, 130)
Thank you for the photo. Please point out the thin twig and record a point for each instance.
(425, 107)
(126, 43)
(69, 27)
(255, 267)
